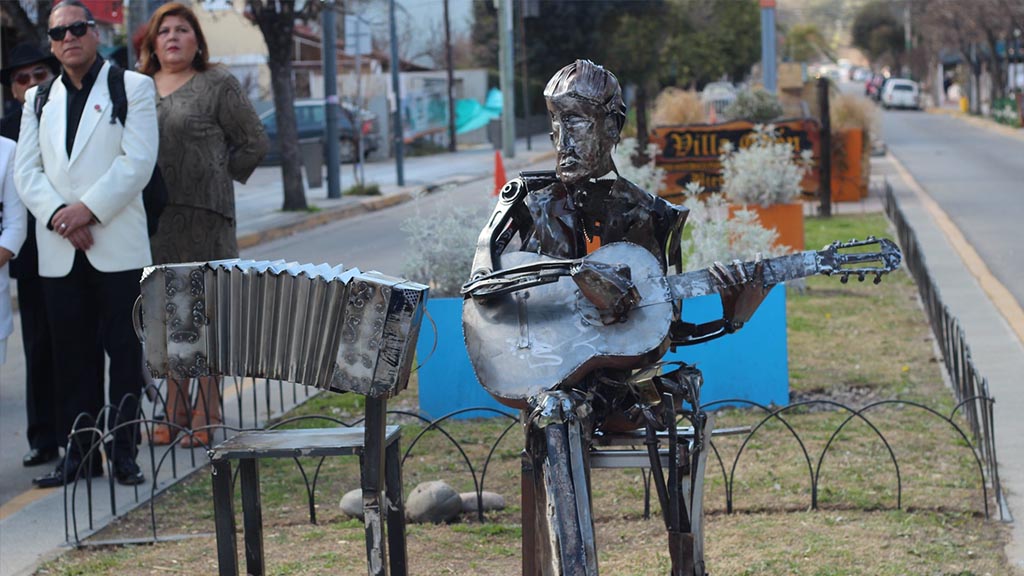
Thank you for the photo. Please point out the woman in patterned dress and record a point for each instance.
(209, 136)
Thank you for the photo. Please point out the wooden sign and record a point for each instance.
(691, 153)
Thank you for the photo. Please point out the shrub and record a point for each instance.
(1004, 111)
(674, 106)
(757, 106)
(371, 189)
(714, 237)
(441, 247)
(849, 111)
(648, 176)
(765, 172)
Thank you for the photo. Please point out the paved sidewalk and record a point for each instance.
(996, 350)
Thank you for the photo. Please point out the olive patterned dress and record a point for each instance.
(209, 136)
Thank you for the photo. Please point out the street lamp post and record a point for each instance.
(396, 88)
(329, 52)
(768, 66)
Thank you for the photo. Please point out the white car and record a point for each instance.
(901, 93)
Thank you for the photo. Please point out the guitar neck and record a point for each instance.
(776, 270)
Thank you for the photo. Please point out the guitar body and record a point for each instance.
(546, 336)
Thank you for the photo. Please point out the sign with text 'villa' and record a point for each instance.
(691, 153)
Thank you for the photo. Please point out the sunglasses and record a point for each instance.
(78, 29)
(39, 74)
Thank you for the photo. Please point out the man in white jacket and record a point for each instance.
(81, 174)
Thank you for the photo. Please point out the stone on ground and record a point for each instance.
(491, 501)
(434, 502)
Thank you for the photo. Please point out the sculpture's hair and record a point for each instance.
(591, 83)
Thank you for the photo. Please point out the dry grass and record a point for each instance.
(851, 343)
(850, 111)
(675, 107)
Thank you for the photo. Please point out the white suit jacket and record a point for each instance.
(12, 233)
(109, 166)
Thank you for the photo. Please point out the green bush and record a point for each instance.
(370, 189)
(758, 106)
(1004, 111)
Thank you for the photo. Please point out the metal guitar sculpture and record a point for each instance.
(575, 340)
(542, 331)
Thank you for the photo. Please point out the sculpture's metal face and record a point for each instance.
(583, 136)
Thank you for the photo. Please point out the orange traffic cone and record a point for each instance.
(712, 115)
(499, 172)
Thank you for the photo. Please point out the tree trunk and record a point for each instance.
(997, 76)
(277, 28)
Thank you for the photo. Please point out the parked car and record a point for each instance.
(311, 122)
(901, 93)
(717, 95)
(873, 86)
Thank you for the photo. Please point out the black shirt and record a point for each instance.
(77, 98)
(10, 125)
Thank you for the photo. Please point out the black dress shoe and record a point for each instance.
(67, 470)
(127, 472)
(37, 456)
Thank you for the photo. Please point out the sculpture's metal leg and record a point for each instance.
(557, 437)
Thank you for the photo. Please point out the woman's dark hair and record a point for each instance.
(148, 63)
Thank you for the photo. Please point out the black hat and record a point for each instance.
(26, 54)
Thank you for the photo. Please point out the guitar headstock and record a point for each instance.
(861, 258)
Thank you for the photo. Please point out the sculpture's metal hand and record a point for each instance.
(741, 292)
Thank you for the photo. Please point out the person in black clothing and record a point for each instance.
(28, 66)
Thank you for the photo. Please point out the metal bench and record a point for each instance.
(377, 446)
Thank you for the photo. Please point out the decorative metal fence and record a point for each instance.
(969, 386)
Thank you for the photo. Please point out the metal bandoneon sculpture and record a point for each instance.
(333, 328)
(573, 299)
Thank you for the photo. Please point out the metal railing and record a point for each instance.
(969, 386)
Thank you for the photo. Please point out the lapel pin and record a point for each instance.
(98, 109)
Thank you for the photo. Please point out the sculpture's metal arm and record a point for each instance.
(496, 235)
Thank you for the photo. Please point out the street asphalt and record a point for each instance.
(32, 521)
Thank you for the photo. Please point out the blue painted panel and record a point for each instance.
(751, 364)
(446, 379)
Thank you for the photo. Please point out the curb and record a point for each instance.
(316, 219)
(364, 206)
(980, 122)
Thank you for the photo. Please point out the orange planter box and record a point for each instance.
(786, 219)
(848, 182)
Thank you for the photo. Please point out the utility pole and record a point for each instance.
(507, 68)
(330, 67)
(396, 88)
(908, 39)
(768, 65)
(526, 82)
(451, 78)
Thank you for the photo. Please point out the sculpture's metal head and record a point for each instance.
(587, 114)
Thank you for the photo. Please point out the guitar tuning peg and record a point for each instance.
(878, 278)
(860, 277)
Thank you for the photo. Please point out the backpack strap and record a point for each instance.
(118, 96)
(42, 96)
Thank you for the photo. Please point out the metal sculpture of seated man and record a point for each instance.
(581, 356)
